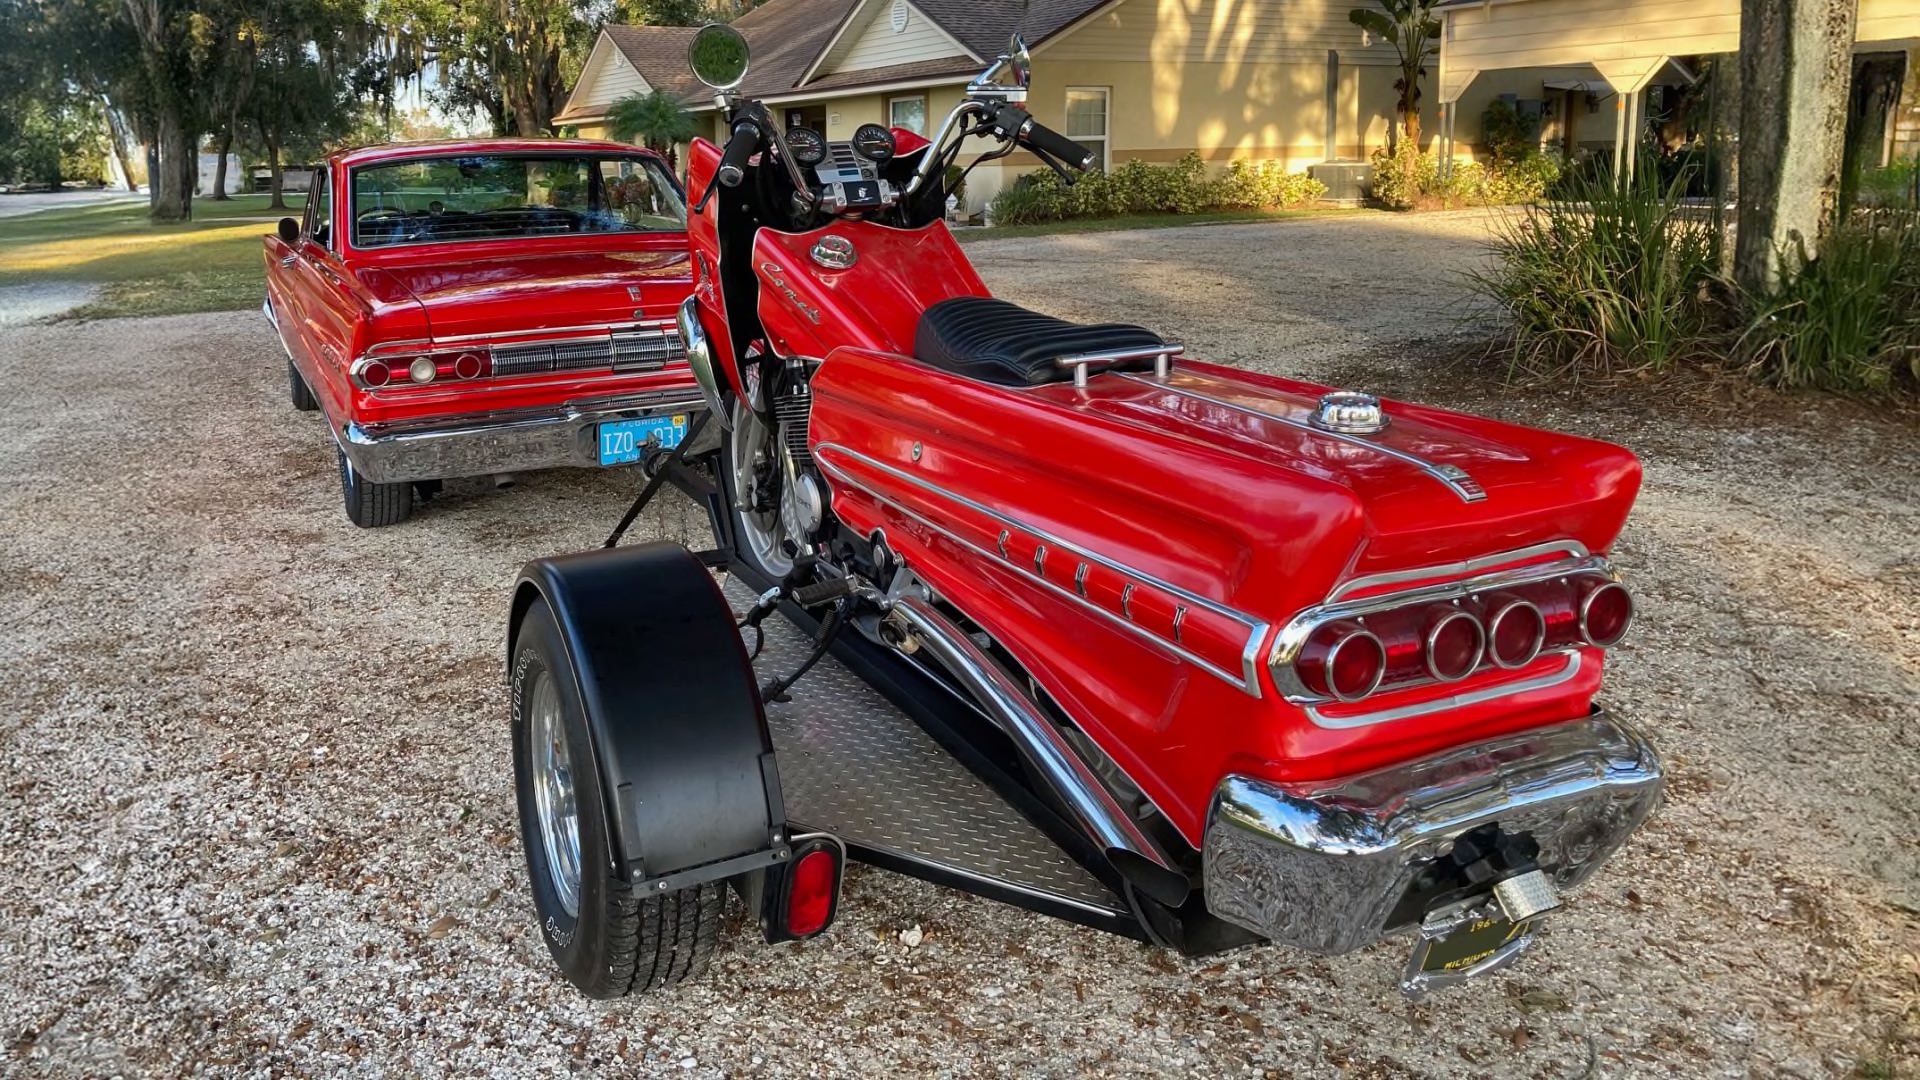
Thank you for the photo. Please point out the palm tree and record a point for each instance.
(655, 120)
(1409, 26)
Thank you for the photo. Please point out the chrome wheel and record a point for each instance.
(754, 458)
(556, 809)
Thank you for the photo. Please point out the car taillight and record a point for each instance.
(1343, 661)
(375, 374)
(422, 370)
(1454, 646)
(1515, 634)
(1605, 614)
(468, 366)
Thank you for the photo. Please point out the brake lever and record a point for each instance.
(1053, 163)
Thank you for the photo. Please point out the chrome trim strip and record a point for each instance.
(1452, 701)
(1459, 569)
(1249, 678)
(1454, 477)
(1040, 740)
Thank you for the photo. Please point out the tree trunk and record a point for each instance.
(117, 143)
(276, 182)
(220, 166)
(173, 182)
(1410, 119)
(1796, 58)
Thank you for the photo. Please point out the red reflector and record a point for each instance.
(810, 896)
(467, 366)
(375, 374)
(1605, 615)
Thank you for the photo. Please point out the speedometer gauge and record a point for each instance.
(808, 147)
(873, 142)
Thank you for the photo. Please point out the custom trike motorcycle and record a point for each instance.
(1054, 614)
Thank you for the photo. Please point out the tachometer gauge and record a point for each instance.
(873, 142)
(808, 147)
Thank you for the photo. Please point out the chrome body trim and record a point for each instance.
(1322, 865)
(1248, 680)
(1450, 701)
(1456, 479)
(1294, 634)
(1085, 796)
(497, 442)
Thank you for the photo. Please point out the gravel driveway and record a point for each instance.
(255, 809)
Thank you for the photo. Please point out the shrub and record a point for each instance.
(1612, 280)
(1847, 320)
(1892, 187)
(1139, 188)
(1510, 137)
(1407, 178)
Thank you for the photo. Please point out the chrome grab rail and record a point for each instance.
(1162, 356)
(1044, 745)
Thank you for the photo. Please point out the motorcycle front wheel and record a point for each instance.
(751, 469)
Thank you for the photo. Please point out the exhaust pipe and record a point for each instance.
(1045, 748)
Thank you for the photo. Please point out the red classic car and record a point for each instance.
(477, 308)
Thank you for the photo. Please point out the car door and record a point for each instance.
(327, 311)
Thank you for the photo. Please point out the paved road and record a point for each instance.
(12, 205)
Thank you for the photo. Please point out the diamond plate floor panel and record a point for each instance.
(854, 765)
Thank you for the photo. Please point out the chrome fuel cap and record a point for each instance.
(1350, 413)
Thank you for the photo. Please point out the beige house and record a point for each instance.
(1264, 80)
(1595, 70)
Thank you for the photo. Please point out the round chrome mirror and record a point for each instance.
(1020, 60)
(718, 56)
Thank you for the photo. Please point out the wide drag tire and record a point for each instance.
(370, 505)
(608, 941)
(298, 390)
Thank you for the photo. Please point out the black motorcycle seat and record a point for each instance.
(979, 337)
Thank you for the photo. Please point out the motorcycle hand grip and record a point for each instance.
(741, 146)
(1048, 141)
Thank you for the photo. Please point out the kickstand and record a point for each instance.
(659, 477)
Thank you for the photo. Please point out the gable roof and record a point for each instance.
(790, 37)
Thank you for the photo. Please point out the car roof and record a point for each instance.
(403, 151)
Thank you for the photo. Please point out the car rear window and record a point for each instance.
(509, 196)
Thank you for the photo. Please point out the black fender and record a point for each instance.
(679, 736)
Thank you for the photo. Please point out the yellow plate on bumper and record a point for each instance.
(1466, 945)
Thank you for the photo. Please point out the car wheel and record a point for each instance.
(303, 398)
(750, 460)
(607, 940)
(371, 505)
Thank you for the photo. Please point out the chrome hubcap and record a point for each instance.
(753, 447)
(555, 808)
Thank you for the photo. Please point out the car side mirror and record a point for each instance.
(289, 230)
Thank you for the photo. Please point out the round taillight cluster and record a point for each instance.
(375, 374)
(424, 370)
(1506, 629)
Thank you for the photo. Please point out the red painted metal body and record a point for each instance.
(334, 302)
(1075, 524)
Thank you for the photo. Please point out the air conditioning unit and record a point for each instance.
(1348, 182)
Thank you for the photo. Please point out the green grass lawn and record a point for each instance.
(209, 264)
(1144, 221)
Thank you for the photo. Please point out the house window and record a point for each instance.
(1087, 121)
(909, 113)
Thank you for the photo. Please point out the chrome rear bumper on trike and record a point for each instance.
(1325, 865)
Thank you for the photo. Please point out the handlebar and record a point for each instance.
(740, 147)
(1036, 136)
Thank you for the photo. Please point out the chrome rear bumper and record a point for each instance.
(1323, 865)
(500, 442)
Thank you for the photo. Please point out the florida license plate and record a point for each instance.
(1467, 945)
(623, 442)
